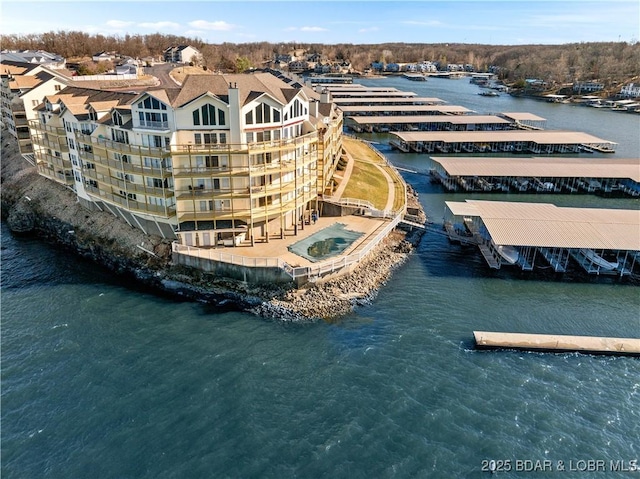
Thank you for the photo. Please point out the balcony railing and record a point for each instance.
(133, 205)
(257, 213)
(152, 125)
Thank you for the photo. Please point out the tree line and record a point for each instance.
(610, 62)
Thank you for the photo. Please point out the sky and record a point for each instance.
(502, 22)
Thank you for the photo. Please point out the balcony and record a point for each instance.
(133, 205)
(152, 125)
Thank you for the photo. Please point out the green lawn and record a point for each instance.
(367, 183)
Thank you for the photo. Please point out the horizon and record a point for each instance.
(494, 23)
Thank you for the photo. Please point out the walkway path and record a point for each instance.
(345, 175)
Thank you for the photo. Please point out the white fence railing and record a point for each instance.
(124, 76)
(311, 272)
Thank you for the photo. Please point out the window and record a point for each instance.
(249, 137)
(117, 118)
(248, 118)
(156, 183)
(120, 136)
(154, 141)
(207, 138)
(206, 116)
(150, 103)
(58, 87)
(124, 176)
(131, 196)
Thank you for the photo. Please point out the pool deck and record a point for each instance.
(277, 247)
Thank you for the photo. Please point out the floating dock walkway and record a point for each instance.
(557, 343)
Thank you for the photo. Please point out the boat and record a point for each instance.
(509, 253)
(597, 260)
(488, 93)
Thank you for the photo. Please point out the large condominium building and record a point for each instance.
(223, 159)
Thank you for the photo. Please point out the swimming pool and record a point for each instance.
(328, 242)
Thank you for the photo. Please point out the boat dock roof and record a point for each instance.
(373, 94)
(411, 101)
(417, 119)
(357, 87)
(547, 225)
(523, 116)
(537, 136)
(442, 109)
(541, 167)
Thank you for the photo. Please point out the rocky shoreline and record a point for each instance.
(34, 205)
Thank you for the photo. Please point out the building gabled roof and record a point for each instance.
(104, 105)
(250, 87)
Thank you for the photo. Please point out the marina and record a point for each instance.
(611, 177)
(558, 343)
(517, 141)
(601, 241)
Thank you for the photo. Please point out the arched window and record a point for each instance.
(206, 115)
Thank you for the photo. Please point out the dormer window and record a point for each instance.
(93, 116)
(116, 118)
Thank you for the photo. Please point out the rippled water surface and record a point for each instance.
(100, 380)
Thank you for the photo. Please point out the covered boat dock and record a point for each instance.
(528, 235)
(403, 110)
(378, 102)
(338, 93)
(517, 141)
(615, 176)
(428, 123)
(526, 121)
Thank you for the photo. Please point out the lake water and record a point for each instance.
(100, 380)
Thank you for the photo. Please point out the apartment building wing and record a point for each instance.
(83, 140)
(245, 159)
(23, 87)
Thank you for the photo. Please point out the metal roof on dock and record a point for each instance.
(453, 119)
(523, 116)
(375, 94)
(541, 167)
(537, 136)
(404, 108)
(548, 225)
(415, 101)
